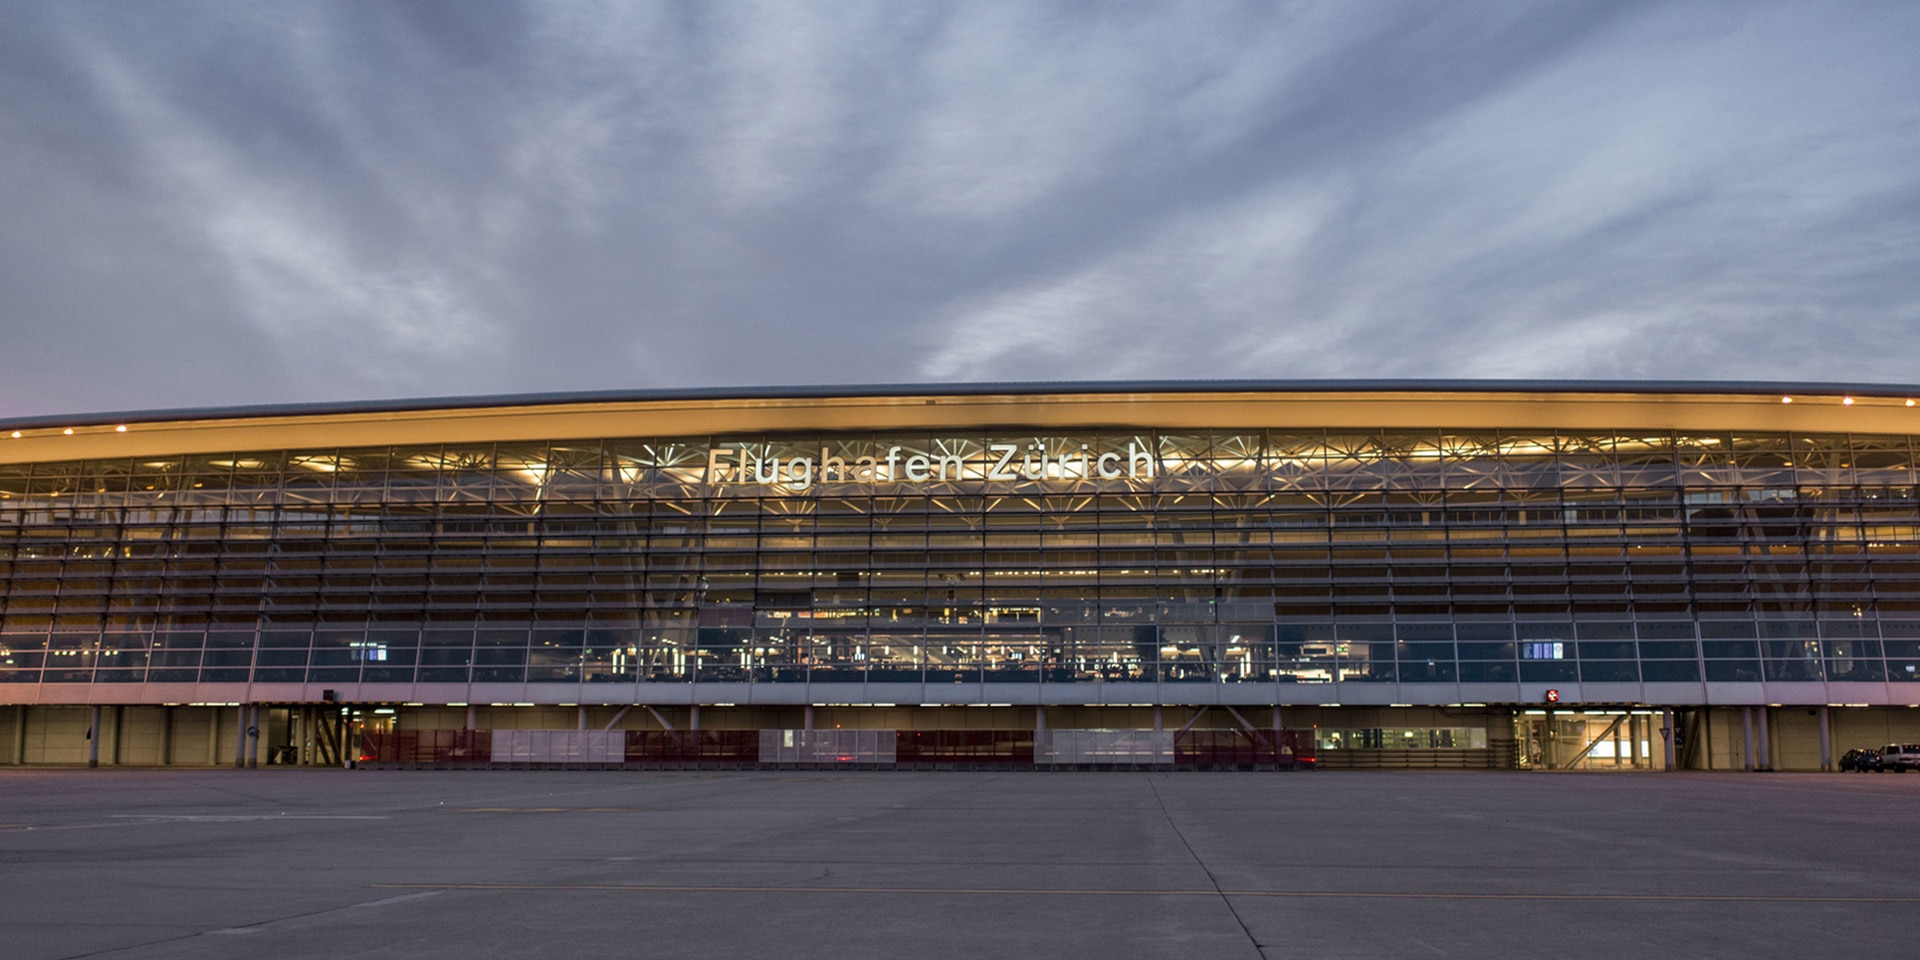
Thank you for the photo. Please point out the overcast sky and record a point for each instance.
(239, 202)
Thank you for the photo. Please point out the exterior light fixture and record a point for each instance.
(1847, 402)
(120, 429)
(1909, 403)
(68, 431)
(1786, 399)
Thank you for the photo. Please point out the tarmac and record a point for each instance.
(303, 863)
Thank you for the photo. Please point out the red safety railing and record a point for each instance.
(693, 746)
(964, 746)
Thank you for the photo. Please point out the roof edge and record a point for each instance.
(1017, 388)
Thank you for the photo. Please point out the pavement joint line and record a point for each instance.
(556, 810)
(236, 817)
(403, 898)
(1023, 892)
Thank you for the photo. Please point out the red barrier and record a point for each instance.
(965, 746)
(969, 747)
(427, 746)
(1241, 747)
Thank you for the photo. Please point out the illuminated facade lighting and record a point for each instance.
(1301, 545)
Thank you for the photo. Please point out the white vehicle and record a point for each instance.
(1901, 758)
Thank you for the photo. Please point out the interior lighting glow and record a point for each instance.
(1786, 399)
(1909, 403)
(1846, 402)
(16, 433)
(120, 429)
(68, 431)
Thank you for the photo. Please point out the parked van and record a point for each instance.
(1901, 757)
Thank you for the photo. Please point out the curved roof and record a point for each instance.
(1191, 404)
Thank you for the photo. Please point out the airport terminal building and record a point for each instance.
(1483, 574)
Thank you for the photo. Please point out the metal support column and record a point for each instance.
(20, 734)
(693, 718)
(1634, 723)
(119, 739)
(253, 737)
(1766, 738)
(240, 738)
(472, 716)
(93, 738)
(1826, 740)
(1158, 720)
(1040, 718)
(582, 724)
(166, 736)
(1668, 733)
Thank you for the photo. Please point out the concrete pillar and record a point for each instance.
(806, 718)
(1826, 740)
(1668, 734)
(1766, 738)
(693, 718)
(20, 734)
(166, 736)
(93, 737)
(1746, 739)
(1158, 721)
(583, 718)
(119, 739)
(1706, 737)
(213, 736)
(1039, 718)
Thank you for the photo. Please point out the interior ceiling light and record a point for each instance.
(120, 429)
(1786, 399)
(1847, 401)
(68, 431)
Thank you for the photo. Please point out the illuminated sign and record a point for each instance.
(1004, 462)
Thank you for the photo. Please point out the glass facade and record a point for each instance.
(1225, 557)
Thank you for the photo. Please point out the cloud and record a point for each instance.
(213, 203)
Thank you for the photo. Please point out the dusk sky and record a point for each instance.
(222, 203)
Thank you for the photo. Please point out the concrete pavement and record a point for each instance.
(323, 863)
